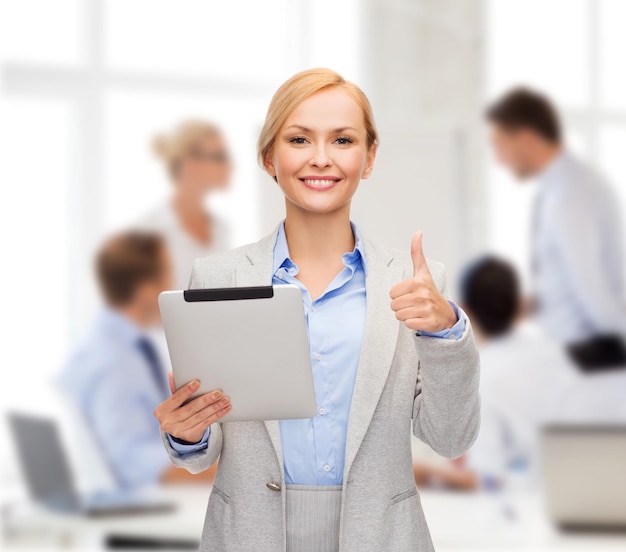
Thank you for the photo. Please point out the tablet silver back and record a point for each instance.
(255, 350)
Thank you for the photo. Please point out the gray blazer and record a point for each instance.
(404, 383)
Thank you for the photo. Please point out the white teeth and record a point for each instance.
(319, 183)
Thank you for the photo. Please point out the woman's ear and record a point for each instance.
(269, 167)
(369, 162)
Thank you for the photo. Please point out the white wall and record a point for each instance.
(424, 77)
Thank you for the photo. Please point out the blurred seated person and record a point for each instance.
(525, 377)
(198, 163)
(115, 376)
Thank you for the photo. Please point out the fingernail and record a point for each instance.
(217, 394)
(195, 384)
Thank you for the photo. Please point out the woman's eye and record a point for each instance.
(297, 140)
(342, 140)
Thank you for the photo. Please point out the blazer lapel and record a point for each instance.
(255, 269)
(378, 346)
(379, 339)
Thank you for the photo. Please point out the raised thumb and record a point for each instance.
(417, 254)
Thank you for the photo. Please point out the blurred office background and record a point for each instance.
(86, 84)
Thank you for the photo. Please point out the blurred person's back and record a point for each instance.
(578, 224)
(527, 379)
(524, 375)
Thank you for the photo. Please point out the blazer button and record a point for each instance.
(273, 487)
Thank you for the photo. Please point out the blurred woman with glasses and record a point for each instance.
(198, 162)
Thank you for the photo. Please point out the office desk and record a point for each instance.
(458, 522)
(32, 524)
(464, 522)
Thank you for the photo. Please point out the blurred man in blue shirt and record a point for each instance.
(577, 246)
(115, 376)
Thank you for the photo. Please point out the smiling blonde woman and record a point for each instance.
(391, 355)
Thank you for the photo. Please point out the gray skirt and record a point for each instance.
(313, 517)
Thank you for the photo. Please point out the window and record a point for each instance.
(29, 36)
(612, 13)
(37, 242)
(571, 50)
(85, 87)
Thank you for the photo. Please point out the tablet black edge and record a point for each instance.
(228, 294)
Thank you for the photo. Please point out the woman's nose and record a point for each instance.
(320, 158)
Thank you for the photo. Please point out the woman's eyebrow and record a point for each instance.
(306, 129)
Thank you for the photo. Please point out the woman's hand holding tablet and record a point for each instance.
(188, 421)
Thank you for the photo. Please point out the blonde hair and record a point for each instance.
(297, 89)
(172, 148)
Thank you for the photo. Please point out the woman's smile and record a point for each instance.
(320, 182)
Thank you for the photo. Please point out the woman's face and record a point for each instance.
(320, 153)
(208, 166)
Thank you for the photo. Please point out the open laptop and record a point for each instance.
(584, 475)
(49, 479)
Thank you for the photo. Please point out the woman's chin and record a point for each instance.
(319, 206)
(318, 202)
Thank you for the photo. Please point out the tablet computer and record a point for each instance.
(251, 342)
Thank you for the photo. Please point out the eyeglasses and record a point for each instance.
(217, 156)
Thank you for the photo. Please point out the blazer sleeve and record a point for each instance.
(446, 407)
(200, 460)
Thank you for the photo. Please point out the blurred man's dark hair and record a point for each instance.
(126, 261)
(490, 292)
(523, 108)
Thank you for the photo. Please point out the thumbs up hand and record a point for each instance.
(417, 302)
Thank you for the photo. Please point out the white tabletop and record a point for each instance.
(492, 522)
(457, 521)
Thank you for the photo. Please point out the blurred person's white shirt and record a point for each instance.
(577, 252)
(527, 381)
(523, 377)
(183, 247)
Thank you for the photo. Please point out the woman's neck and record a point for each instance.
(189, 205)
(193, 217)
(318, 238)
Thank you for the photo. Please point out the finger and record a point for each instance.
(196, 405)
(403, 288)
(170, 377)
(420, 266)
(206, 412)
(417, 324)
(218, 414)
(412, 312)
(406, 301)
(201, 426)
(181, 395)
(170, 404)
